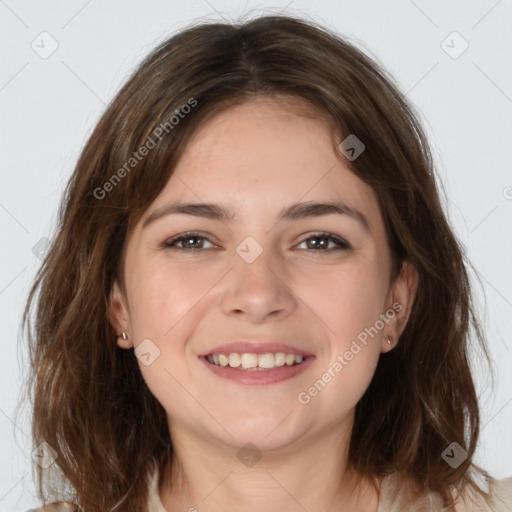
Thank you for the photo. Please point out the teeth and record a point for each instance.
(266, 361)
(234, 360)
(249, 361)
(280, 359)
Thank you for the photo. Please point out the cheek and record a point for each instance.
(349, 300)
(163, 296)
(351, 377)
(351, 310)
(167, 306)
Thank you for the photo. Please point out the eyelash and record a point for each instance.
(171, 243)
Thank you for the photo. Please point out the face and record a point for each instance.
(317, 283)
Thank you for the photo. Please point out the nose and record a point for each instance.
(259, 289)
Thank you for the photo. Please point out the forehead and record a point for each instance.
(265, 129)
(257, 158)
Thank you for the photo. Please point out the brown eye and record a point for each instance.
(321, 242)
(189, 241)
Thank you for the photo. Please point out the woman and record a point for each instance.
(313, 354)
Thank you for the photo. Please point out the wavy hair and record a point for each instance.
(90, 402)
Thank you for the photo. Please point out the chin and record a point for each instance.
(267, 432)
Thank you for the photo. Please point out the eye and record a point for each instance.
(188, 238)
(322, 241)
(194, 241)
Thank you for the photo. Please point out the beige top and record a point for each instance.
(501, 498)
(500, 501)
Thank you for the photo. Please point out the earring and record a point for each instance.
(124, 336)
(389, 340)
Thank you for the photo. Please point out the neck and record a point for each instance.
(310, 474)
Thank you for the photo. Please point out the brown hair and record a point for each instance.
(91, 403)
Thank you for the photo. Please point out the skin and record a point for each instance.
(257, 158)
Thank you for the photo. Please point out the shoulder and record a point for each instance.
(154, 503)
(396, 493)
(502, 490)
(61, 506)
(499, 498)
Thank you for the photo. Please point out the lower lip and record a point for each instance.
(252, 377)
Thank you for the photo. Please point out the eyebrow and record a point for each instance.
(296, 211)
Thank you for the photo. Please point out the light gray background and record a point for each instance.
(49, 106)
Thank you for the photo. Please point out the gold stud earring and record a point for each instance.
(125, 337)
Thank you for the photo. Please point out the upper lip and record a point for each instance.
(255, 347)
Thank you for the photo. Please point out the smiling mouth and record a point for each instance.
(256, 362)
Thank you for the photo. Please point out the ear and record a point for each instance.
(400, 300)
(119, 316)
